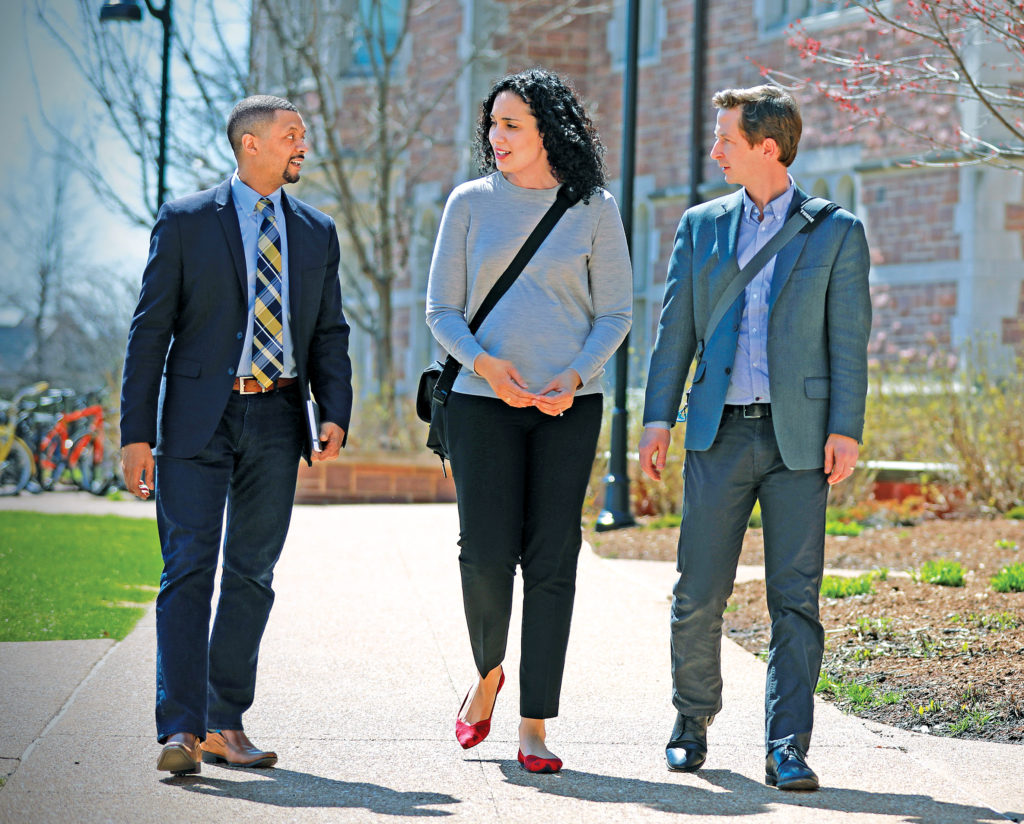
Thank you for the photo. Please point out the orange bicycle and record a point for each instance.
(73, 452)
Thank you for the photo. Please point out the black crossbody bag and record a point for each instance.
(436, 380)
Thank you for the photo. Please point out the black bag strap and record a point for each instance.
(563, 200)
(808, 214)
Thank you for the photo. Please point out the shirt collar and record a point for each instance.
(246, 198)
(775, 209)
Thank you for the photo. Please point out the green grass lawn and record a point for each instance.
(69, 577)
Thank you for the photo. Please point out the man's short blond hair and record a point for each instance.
(766, 111)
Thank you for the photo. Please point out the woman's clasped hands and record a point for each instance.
(504, 379)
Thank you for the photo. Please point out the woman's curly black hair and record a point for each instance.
(573, 146)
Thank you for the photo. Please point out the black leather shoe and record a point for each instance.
(688, 747)
(786, 768)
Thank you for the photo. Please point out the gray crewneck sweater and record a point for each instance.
(570, 307)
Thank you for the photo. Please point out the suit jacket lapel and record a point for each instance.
(229, 223)
(788, 255)
(727, 228)
(294, 227)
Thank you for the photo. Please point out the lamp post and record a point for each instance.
(616, 513)
(130, 11)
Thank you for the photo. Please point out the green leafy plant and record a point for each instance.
(874, 627)
(1017, 513)
(942, 572)
(988, 620)
(1009, 579)
(858, 694)
(836, 586)
(667, 521)
(1004, 543)
(851, 529)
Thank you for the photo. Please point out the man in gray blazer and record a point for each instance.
(774, 413)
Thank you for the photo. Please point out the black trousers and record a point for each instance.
(520, 478)
(721, 485)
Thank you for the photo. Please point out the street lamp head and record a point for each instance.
(124, 10)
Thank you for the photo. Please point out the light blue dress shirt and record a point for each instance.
(249, 220)
(748, 382)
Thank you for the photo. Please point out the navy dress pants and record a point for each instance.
(206, 680)
(720, 487)
(520, 479)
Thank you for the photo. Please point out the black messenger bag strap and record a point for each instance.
(808, 214)
(563, 200)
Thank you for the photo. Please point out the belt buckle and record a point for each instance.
(243, 391)
(751, 417)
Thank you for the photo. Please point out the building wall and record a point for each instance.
(946, 243)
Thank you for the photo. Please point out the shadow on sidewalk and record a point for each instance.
(741, 796)
(287, 788)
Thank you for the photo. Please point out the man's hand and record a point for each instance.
(137, 469)
(331, 438)
(504, 379)
(840, 457)
(558, 394)
(654, 450)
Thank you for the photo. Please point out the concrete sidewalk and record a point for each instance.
(363, 667)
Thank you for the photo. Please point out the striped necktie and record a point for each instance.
(268, 328)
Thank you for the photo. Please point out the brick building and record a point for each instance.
(946, 243)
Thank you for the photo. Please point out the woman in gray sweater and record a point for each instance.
(525, 412)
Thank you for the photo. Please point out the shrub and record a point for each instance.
(943, 572)
(1009, 579)
(836, 586)
(1017, 513)
(965, 409)
(852, 529)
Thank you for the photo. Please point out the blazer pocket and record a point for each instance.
(810, 272)
(817, 387)
(184, 367)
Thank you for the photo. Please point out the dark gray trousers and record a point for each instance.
(520, 479)
(721, 486)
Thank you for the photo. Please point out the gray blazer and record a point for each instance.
(819, 322)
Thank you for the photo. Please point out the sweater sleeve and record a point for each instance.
(448, 284)
(611, 289)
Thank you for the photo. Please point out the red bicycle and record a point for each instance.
(72, 450)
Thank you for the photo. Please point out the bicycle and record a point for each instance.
(17, 463)
(72, 450)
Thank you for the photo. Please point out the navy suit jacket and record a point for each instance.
(818, 326)
(187, 333)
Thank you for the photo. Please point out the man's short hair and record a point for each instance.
(766, 111)
(251, 114)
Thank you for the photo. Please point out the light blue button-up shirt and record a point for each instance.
(748, 382)
(249, 220)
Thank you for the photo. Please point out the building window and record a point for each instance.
(837, 187)
(649, 36)
(775, 14)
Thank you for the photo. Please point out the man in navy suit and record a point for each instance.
(774, 413)
(239, 321)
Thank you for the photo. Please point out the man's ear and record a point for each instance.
(770, 149)
(249, 144)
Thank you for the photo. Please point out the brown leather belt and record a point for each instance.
(251, 386)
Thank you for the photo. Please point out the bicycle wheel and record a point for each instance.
(16, 470)
(90, 474)
(51, 464)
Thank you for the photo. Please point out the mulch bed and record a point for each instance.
(938, 659)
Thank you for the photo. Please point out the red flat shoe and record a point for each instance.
(536, 764)
(469, 735)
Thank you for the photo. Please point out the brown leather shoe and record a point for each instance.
(180, 755)
(234, 747)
